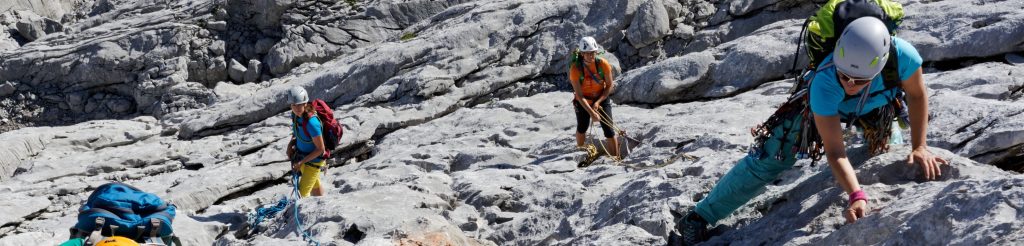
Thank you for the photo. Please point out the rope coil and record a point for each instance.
(266, 212)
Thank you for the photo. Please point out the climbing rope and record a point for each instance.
(589, 147)
(609, 122)
(266, 212)
(590, 139)
(619, 132)
(298, 224)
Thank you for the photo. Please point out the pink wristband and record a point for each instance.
(857, 196)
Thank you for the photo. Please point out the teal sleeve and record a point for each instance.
(909, 59)
(314, 126)
(826, 93)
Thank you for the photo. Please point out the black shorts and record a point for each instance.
(583, 118)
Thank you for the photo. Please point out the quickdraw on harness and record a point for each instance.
(261, 213)
(810, 145)
(877, 124)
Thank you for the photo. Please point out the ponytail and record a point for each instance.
(308, 111)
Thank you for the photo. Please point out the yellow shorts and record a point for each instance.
(310, 177)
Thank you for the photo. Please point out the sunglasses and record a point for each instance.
(856, 81)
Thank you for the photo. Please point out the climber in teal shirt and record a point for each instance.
(848, 86)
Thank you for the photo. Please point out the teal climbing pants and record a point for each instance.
(749, 177)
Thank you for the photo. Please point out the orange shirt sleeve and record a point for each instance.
(574, 74)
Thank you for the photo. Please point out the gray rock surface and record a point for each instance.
(458, 127)
(649, 24)
(30, 31)
(946, 30)
(137, 55)
(53, 9)
(304, 42)
(252, 72)
(20, 206)
(667, 80)
(32, 26)
(7, 42)
(237, 71)
(978, 111)
(746, 6)
(6, 89)
(718, 72)
(895, 190)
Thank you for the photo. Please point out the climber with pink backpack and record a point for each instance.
(315, 133)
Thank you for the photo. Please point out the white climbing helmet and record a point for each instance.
(588, 44)
(863, 48)
(297, 95)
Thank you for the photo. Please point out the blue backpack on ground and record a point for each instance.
(123, 210)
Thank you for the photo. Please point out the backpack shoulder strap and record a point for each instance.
(577, 63)
(891, 71)
(818, 70)
(585, 71)
(302, 125)
(600, 66)
(825, 66)
(800, 42)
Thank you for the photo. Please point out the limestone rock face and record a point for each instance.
(649, 24)
(458, 126)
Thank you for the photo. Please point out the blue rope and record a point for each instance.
(266, 212)
(298, 224)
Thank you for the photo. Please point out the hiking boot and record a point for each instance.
(692, 229)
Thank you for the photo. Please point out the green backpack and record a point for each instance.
(823, 28)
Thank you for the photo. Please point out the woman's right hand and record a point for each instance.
(856, 211)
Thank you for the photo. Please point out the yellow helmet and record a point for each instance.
(117, 241)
